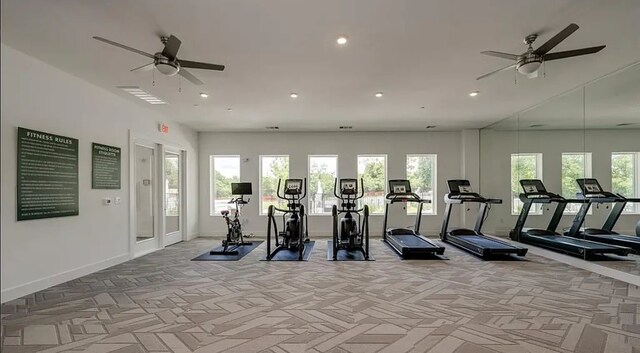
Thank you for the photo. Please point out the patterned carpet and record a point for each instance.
(164, 302)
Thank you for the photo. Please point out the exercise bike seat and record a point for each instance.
(224, 213)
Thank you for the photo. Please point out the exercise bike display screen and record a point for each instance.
(241, 189)
(293, 186)
(348, 186)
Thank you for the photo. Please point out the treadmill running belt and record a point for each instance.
(411, 241)
(572, 241)
(484, 242)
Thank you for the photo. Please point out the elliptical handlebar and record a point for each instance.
(278, 190)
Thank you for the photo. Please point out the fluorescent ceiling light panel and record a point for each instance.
(145, 96)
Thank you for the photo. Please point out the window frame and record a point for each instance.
(588, 173)
(636, 180)
(337, 158)
(434, 183)
(212, 180)
(386, 174)
(535, 211)
(260, 158)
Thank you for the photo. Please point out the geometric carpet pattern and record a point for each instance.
(163, 302)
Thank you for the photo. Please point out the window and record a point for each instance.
(625, 177)
(421, 172)
(373, 171)
(272, 168)
(574, 166)
(524, 166)
(224, 171)
(322, 173)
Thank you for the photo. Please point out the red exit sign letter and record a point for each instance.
(164, 128)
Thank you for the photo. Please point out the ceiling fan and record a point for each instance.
(166, 61)
(529, 62)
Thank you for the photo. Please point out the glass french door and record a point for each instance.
(173, 172)
(144, 178)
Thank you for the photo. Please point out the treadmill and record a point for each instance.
(592, 192)
(472, 240)
(408, 243)
(536, 193)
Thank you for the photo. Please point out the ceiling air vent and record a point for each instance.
(346, 127)
(273, 128)
(431, 127)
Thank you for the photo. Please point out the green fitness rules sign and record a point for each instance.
(47, 175)
(105, 167)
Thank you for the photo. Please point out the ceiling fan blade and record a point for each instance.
(575, 52)
(551, 43)
(186, 74)
(144, 67)
(500, 55)
(171, 47)
(495, 72)
(199, 65)
(104, 40)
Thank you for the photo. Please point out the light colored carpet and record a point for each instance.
(164, 302)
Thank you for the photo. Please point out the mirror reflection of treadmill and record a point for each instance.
(594, 194)
(407, 242)
(548, 238)
(473, 240)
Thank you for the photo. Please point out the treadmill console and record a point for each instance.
(533, 186)
(590, 188)
(399, 187)
(461, 188)
(293, 186)
(348, 186)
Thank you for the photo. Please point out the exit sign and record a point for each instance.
(164, 128)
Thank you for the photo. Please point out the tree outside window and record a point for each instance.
(574, 166)
(272, 169)
(373, 170)
(624, 177)
(421, 172)
(524, 166)
(322, 173)
(224, 171)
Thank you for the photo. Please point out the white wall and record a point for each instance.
(495, 169)
(39, 253)
(347, 145)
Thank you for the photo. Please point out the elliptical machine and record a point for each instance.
(294, 232)
(235, 238)
(348, 234)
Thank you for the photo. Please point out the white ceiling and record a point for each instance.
(420, 53)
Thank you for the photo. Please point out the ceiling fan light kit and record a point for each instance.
(167, 61)
(529, 62)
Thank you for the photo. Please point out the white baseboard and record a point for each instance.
(43, 283)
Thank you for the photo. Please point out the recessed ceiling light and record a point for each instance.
(421, 107)
(342, 40)
(229, 109)
(379, 94)
(204, 95)
(536, 125)
(293, 95)
(625, 124)
(272, 128)
(346, 127)
(431, 127)
(474, 93)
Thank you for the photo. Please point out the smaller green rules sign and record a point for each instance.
(105, 167)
